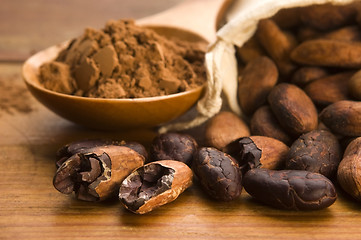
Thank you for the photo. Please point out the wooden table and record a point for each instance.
(30, 208)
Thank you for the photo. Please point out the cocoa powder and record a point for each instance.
(124, 60)
(13, 96)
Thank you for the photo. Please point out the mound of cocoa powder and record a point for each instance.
(124, 60)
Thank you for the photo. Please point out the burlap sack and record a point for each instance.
(241, 23)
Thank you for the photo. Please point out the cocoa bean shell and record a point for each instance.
(274, 152)
(154, 184)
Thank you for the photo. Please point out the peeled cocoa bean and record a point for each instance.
(290, 189)
(218, 174)
(317, 151)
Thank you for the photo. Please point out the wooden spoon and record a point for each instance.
(193, 20)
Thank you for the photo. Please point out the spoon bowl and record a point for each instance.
(112, 114)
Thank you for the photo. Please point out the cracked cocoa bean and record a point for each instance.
(173, 146)
(218, 173)
(96, 173)
(81, 146)
(258, 152)
(290, 189)
(317, 151)
(246, 152)
(154, 184)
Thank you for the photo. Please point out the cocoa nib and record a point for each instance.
(146, 182)
(154, 184)
(246, 152)
(81, 173)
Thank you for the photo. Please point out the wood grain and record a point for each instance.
(30, 208)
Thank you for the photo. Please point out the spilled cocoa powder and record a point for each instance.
(124, 60)
(13, 96)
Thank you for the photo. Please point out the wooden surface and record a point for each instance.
(30, 208)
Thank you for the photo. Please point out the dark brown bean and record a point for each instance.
(218, 173)
(290, 189)
(173, 146)
(317, 151)
(246, 152)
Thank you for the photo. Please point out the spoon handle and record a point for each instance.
(199, 16)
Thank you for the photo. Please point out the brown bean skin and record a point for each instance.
(343, 117)
(331, 53)
(334, 89)
(224, 128)
(265, 123)
(292, 107)
(257, 80)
